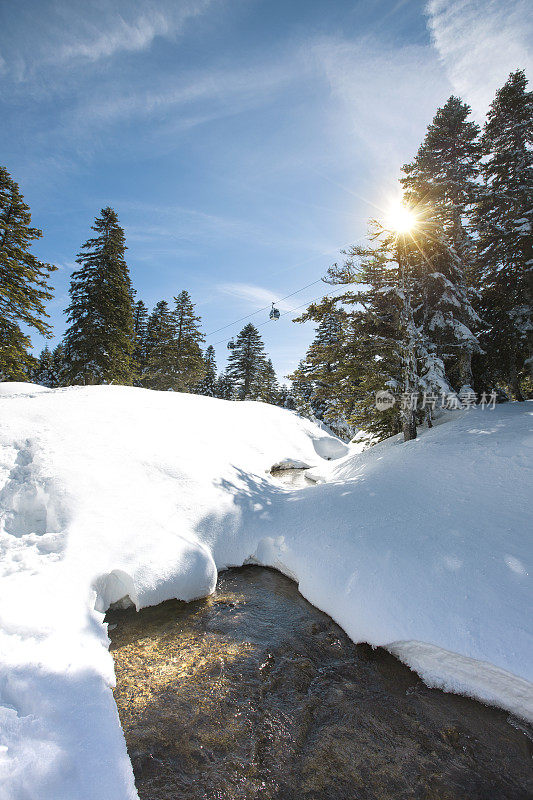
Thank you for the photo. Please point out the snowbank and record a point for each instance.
(113, 492)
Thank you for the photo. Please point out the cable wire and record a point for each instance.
(265, 308)
(292, 310)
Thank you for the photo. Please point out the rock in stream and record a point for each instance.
(254, 693)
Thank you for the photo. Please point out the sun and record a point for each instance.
(401, 219)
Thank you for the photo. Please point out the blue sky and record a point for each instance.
(242, 143)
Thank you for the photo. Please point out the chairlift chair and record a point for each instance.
(231, 344)
(274, 312)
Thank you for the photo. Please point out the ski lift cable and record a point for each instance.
(259, 310)
(292, 310)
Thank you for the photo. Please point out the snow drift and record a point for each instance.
(114, 494)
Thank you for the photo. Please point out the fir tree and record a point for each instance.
(49, 370)
(140, 326)
(443, 178)
(504, 222)
(224, 388)
(265, 384)
(160, 349)
(208, 384)
(325, 370)
(302, 388)
(188, 364)
(99, 341)
(245, 361)
(24, 284)
(43, 370)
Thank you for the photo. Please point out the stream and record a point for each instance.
(254, 693)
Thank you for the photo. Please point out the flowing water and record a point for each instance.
(254, 693)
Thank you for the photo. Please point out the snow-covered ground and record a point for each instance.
(423, 547)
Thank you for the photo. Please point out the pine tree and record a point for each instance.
(24, 286)
(504, 223)
(265, 384)
(245, 360)
(140, 325)
(43, 370)
(160, 349)
(99, 341)
(325, 370)
(375, 339)
(383, 343)
(224, 388)
(443, 177)
(208, 384)
(49, 368)
(188, 365)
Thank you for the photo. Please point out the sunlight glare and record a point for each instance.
(401, 219)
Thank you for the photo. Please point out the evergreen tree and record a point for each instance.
(58, 365)
(302, 388)
(325, 370)
(265, 384)
(443, 178)
(99, 341)
(208, 384)
(160, 349)
(24, 284)
(49, 368)
(504, 223)
(245, 361)
(383, 341)
(224, 388)
(188, 363)
(140, 326)
(42, 373)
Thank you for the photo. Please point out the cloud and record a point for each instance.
(387, 93)
(480, 42)
(66, 34)
(238, 88)
(123, 35)
(255, 296)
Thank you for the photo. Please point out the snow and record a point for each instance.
(112, 494)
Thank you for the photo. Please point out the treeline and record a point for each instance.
(439, 305)
(111, 337)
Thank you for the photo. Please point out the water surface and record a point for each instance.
(254, 693)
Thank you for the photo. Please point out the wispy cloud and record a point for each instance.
(180, 223)
(386, 92)
(254, 296)
(65, 34)
(129, 35)
(239, 88)
(480, 42)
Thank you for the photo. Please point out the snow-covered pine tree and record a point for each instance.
(326, 368)
(140, 326)
(265, 384)
(224, 388)
(504, 223)
(43, 371)
(49, 369)
(373, 337)
(160, 349)
(443, 178)
(247, 357)
(301, 391)
(99, 341)
(188, 365)
(24, 286)
(208, 384)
